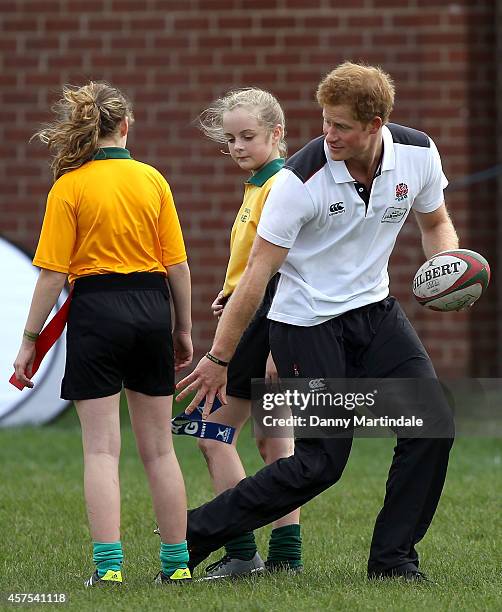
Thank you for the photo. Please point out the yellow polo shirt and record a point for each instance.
(256, 191)
(113, 214)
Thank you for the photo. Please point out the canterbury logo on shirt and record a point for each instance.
(336, 209)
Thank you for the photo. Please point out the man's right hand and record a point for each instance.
(218, 305)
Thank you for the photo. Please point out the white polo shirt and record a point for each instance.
(340, 236)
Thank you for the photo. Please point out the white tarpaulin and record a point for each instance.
(42, 403)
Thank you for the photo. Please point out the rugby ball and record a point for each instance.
(451, 280)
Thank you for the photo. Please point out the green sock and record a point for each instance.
(173, 557)
(243, 547)
(107, 556)
(286, 545)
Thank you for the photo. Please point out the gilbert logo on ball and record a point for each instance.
(451, 280)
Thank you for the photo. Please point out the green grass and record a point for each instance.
(45, 545)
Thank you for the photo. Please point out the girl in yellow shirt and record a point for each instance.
(111, 227)
(250, 122)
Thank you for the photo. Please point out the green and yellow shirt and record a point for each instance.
(256, 191)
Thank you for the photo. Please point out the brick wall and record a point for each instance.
(172, 57)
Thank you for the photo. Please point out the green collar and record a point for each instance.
(111, 153)
(262, 176)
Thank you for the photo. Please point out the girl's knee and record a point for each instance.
(272, 449)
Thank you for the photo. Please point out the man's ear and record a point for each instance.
(374, 125)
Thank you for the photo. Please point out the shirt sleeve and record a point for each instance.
(431, 195)
(170, 235)
(289, 206)
(58, 234)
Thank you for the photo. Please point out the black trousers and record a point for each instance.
(375, 341)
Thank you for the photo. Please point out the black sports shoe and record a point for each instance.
(408, 572)
(228, 567)
(111, 577)
(180, 576)
(283, 566)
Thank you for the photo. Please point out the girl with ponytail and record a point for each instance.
(111, 228)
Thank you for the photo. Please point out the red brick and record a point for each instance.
(168, 41)
(41, 6)
(216, 78)
(468, 18)
(8, 6)
(42, 43)
(105, 25)
(400, 40)
(239, 59)
(169, 5)
(340, 5)
(7, 116)
(10, 189)
(130, 6)
(126, 43)
(8, 80)
(440, 4)
(108, 61)
(442, 38)
(20, 97)
(20, 25)
(283, 57)
(148, 24)
(257, 41)
(42, 78)
(22, 170)
(237, 22)
(339, 41)
(321, 22)
(366, 21)
(273, 22)
(80, 43)
(415, 20)
(65, 61)
(21, 62)
(226, 5)
(7, 44)
(62, 24)
(194, 59)
(300, 41)
(150, 60)
(86, 6)
(383, 4)
(130, 79)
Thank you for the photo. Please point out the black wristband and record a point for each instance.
(216, 360)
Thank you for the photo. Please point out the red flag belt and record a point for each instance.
(48, 337)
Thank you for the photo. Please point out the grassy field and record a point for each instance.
(45, 545)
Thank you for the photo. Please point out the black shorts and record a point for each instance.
(250, 357)
(119, 334)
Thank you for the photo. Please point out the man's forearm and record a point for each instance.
(442, 237)
(238, 313)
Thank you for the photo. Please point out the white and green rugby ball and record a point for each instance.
(451, 280)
